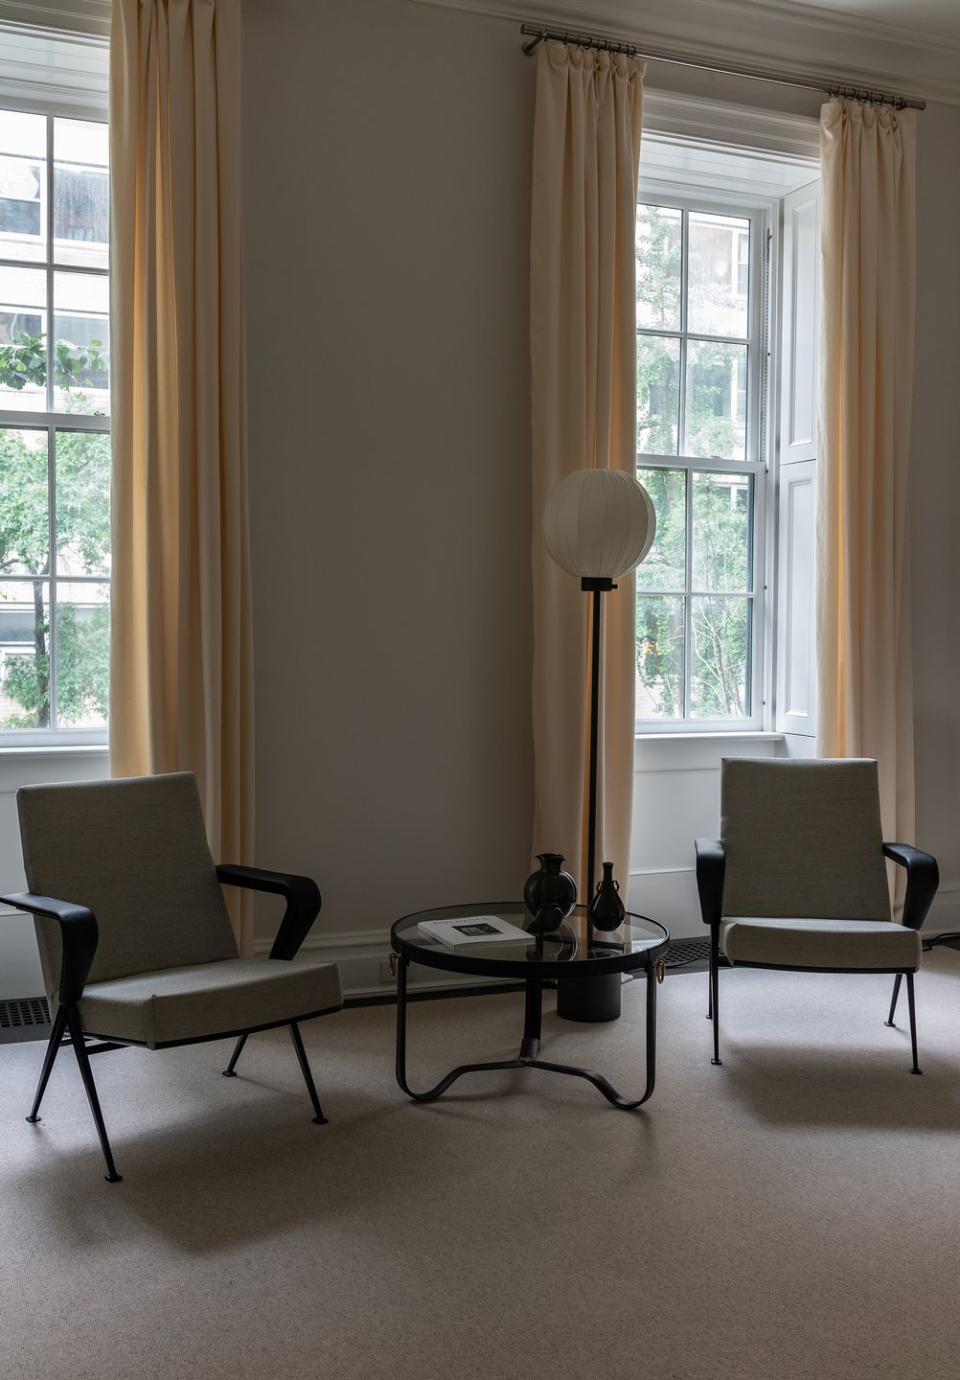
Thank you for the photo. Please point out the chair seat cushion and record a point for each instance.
(207, 999)
(813, 943)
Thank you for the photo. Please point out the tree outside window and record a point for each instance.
(694, 599)
(54, 439)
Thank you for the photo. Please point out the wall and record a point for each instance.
(387, 204)
(935, 498)
(387, 240)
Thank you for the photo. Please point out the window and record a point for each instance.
(700, 350)
(54, 428)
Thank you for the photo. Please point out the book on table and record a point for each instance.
(472, 929)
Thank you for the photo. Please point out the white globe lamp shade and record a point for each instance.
(599, 523)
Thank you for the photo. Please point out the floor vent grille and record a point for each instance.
(23, 1018)
(683, 952)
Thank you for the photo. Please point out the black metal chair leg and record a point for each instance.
(319, 1119)
(913, 1023)
(53, 1048)
(228, 1072)
(715, 991)
(893, 1003)
(86, 1073)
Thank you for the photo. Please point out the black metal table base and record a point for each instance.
(529, 1048)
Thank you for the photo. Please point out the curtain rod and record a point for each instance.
(537, 34)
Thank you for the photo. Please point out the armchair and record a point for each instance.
(798, 881)
(143, 953)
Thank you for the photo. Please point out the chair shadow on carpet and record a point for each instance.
(794, 1085)
(232, 1176)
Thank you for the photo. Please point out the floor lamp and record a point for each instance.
(598, 524)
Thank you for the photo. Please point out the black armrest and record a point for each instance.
(711, 865)
(302, 897)
(923, 878)
(78, 931)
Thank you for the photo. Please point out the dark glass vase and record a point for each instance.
(607, 910)
(550, 894)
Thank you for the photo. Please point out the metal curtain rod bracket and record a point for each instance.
(537, 34)
(575, 40)
(869, 97)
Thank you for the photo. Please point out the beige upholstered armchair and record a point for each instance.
(798, 881)
(135, 942)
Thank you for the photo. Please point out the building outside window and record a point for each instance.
(54, 428)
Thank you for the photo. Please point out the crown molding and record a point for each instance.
(69, 16)
(797, 39)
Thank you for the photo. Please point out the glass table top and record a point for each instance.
(622, 949)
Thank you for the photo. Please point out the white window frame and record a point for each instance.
(764, 216)
(51, 421)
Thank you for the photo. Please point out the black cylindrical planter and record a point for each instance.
(589, 999)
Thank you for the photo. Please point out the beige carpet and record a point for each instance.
(795, 1213)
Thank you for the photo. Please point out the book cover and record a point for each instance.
(472, 929)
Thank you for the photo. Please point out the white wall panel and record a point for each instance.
(796, 646)
(19, 963)
(677, 800)
(801, 325)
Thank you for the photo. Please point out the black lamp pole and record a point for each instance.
(594, 998)
(597, 586)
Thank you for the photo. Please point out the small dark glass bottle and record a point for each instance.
(607, 910)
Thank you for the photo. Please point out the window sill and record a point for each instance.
(755, 735)
(699, 752)
(49, 750)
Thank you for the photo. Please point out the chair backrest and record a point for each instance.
(135, 851)
(803, 838)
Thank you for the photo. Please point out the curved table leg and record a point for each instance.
(529, 1047)
(609, 1091)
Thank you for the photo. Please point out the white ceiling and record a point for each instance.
(933, 18)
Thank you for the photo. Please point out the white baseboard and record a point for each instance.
(361, 956)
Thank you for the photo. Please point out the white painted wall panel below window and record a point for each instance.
(677, 800)
(19, 964)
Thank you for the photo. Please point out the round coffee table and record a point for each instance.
(574, 951)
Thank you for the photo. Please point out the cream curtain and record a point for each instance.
(869, 250)
(181, 660)
(586, 156)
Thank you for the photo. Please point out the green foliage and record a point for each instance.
(717, 656)
(82, 536)
(25, 362)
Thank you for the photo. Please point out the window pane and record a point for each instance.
(718, 275)
(23, 350)
(659, 244)
(83, 503)
(720, 658)
(83, 655)
(23, 158)
(716, 400)
(658, 394)
(722, 511)
(81, 325)
(81, 193)
(659, 657)
(24, 525)
(665, 567)
(24, 654)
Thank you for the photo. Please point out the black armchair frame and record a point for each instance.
(923, 878)
(79, 935)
